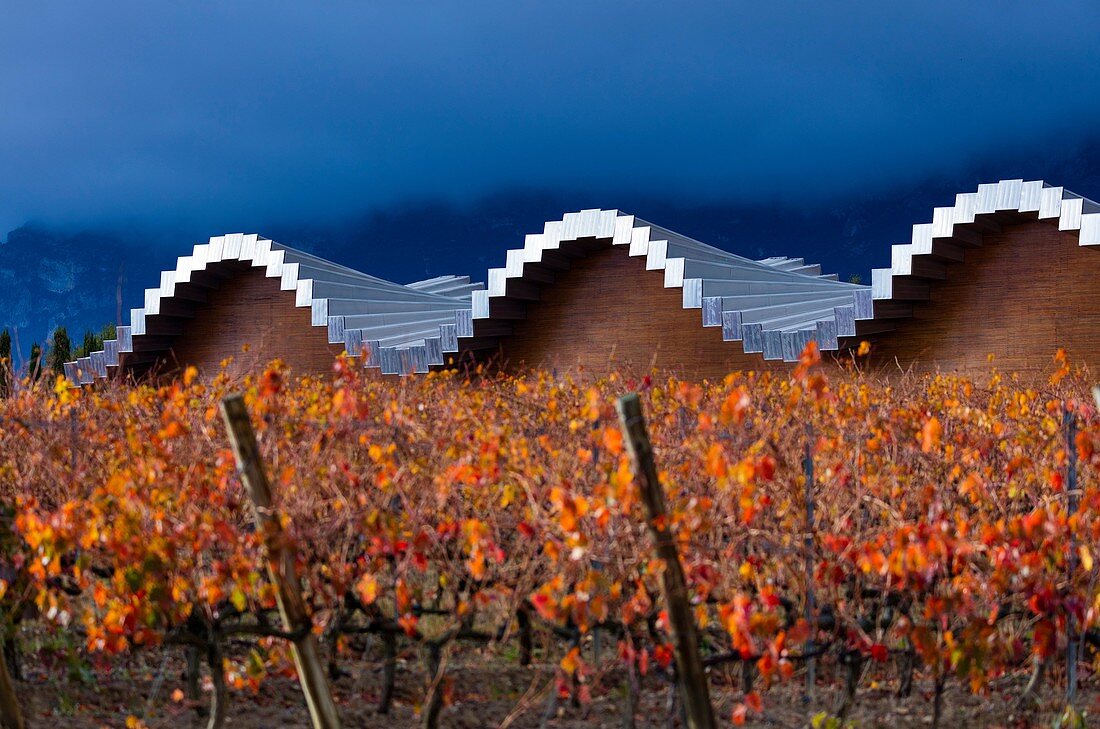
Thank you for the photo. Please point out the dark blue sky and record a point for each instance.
(250, 116)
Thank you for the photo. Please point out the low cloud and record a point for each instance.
(236, 117)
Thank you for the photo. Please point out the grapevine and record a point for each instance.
(467, 507)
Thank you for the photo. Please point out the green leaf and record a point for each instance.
(238, 599)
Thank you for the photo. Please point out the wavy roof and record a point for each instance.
(916, 265)
(773, 306)
(401, 324)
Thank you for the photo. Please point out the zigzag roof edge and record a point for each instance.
(272, 257)
(772, 307)
(787, 330)
(1073, 212)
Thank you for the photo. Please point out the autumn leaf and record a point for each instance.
(408, 624)
(930, 434)
(401, 593)
(1063, 367)
(367, 589)
(99, 594)
(474, 496)
(734, 406)
(613, 440)
(571, 661)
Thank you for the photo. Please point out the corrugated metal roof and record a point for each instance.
(961, 224)
(404, 326)
(773, 306)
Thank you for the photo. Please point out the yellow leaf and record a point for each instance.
(571, 661)
(238, 599)
(367, 587)
(1086, 558)
(63, 387)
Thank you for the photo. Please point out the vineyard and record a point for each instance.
(849, 542)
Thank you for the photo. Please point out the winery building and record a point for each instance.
(1005, 271)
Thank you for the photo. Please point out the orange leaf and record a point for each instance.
(930, 434)
(401, 591)
(613, 440)
(408, 624)
(367, 589)
(734, 406)
(572, 661)
(99, 595)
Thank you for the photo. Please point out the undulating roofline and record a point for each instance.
(773, 306)
(960, 226)
(350, 304)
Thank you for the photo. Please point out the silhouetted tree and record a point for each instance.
(93, 342)
(90, 344)
(60, 351)
(34, 364)
(5, 362)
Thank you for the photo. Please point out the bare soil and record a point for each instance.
(490, 691)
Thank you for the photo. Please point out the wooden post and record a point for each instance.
(280, 566)
(692, 680)
(811, 608)
(11, 715)
(1070, 423)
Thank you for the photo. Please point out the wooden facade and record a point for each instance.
(248, 319)
(1023, 293)
(608, 312)
(241, 292)
(1006, 271)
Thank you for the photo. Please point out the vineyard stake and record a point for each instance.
(694, 688)
(11, 715)
(811, 620)
(280, 565)
(1070, 424)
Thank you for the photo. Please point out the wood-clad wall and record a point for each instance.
(1025, 292)
(608, 312)
(248, 308)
